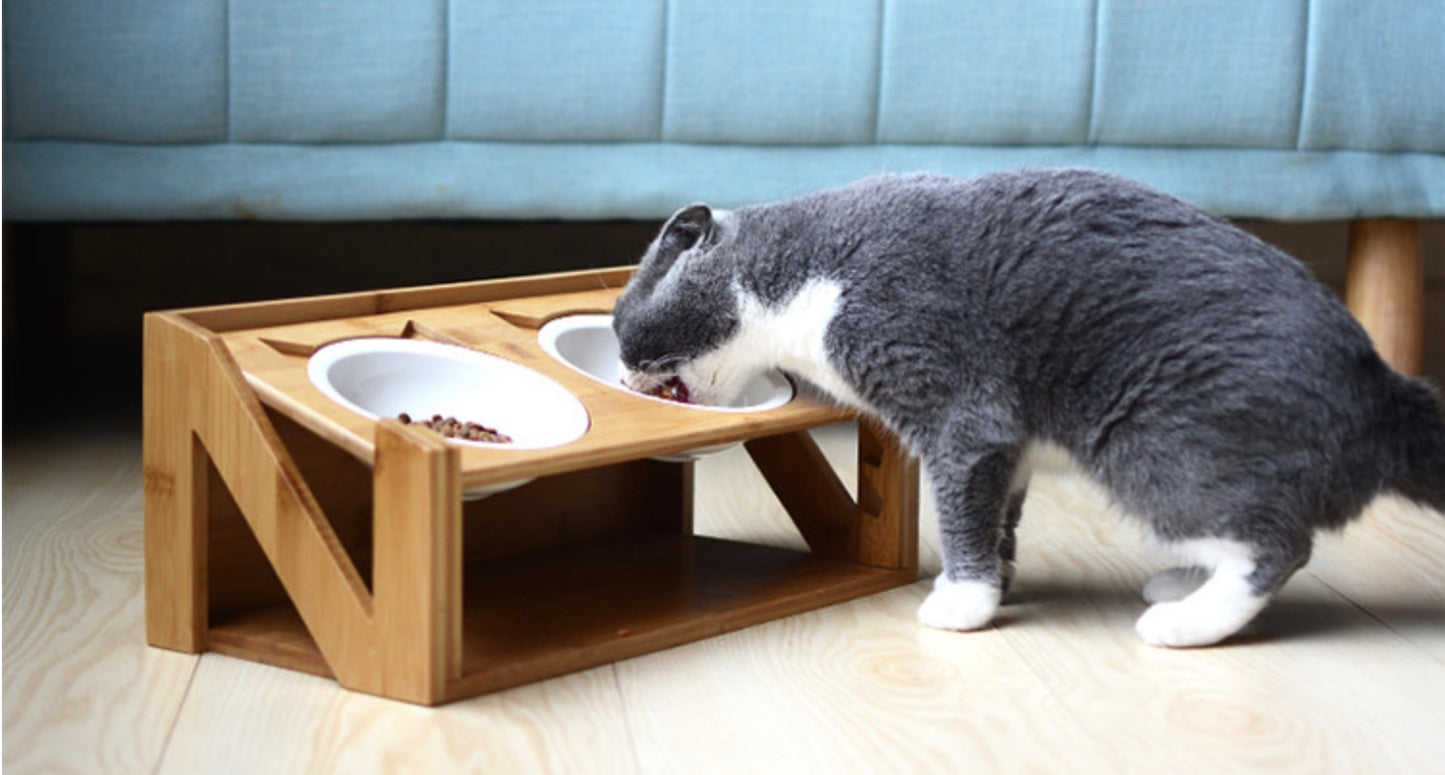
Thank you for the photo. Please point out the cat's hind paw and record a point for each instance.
(1196, 621)
(1175, 624)
(959, 605)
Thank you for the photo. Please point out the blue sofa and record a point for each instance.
(481, 109)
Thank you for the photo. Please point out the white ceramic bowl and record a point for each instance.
(587, 344)
(383, 377)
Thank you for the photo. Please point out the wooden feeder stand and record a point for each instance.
(282, 527)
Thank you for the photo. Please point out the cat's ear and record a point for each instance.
(687, 228)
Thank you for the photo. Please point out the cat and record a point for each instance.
(1207, 381)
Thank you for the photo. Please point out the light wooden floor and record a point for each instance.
(1344, 673)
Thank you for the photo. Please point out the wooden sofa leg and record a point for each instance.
(1385, 288)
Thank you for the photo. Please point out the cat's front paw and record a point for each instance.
(959, 605)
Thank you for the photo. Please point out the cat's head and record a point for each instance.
(681, 308)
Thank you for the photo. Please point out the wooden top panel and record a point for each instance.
(272, 341)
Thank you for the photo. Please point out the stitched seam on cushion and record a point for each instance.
(1304, 79)
(1093, 108)
(228, 108)
(5, 120)
(446, 74)
(663, 60)
(879, 43)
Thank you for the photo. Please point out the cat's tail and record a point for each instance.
(1419, 427)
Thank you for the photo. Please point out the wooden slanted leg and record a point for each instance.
(880, 529)
(418, 563)
(198, 408)
(1385, 288)
(810, 492)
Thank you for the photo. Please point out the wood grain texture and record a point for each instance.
(417, 578)
(175, 482)
(231, 317)
(1288, 693)
(286, 723)
(858, 688)
(888, 484)
(83, 692)
(1340, 675)
(206, 407)
(1389, 564)
(537, 311)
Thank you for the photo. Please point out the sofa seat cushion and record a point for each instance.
(90, 181)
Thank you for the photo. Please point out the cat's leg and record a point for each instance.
(1241, 577)
(971, 492)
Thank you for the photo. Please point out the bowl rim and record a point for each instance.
(331, 353)
(784, 391)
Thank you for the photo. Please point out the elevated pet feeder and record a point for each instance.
(291, 519)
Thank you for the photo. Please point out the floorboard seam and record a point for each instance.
(1364, 609)
(176, 718)
(626, 719)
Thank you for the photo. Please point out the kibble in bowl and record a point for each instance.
(453, 428)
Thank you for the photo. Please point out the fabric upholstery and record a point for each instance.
(987, 73)
(561, 71)
(764, 72)
(1222, 73)
(1376, 76)
(337, 71)
(650, 180)
(148, 71)
(569, 108)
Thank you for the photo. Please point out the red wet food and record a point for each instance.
(672, 390)
(453, 428)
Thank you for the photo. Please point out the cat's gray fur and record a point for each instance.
(1206, 380)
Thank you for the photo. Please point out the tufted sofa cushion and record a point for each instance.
(349, 109)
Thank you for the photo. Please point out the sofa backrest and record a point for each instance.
(1297, 77)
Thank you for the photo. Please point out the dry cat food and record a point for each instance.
(672, 390)
(453, 428)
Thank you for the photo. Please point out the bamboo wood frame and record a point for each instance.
(281, 527)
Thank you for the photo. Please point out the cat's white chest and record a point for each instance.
(792, 336)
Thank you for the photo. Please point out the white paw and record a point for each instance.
(1190, 622)
(959, 605)
(1168, 586)
(1167, 624)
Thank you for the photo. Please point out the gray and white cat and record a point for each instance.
(1207, 381)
